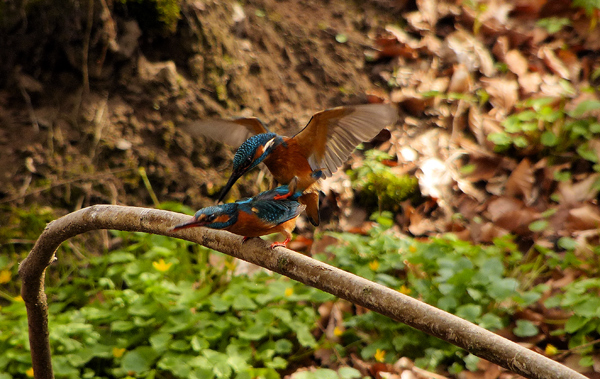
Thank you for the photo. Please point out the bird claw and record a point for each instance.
(277, 244)
(282, 244)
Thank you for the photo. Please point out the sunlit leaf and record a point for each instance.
(525, 328)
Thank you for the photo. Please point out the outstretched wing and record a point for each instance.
(331, 135)
(230, 132)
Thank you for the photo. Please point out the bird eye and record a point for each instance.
(249, 161)
(210, 218)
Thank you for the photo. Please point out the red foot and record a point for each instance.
(245, 239)
(281, 197)
(283, 244)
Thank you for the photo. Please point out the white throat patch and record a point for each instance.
(269, 143)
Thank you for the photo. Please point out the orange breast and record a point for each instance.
(248, 225)
(287, 162)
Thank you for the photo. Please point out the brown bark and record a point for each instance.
(304, 269)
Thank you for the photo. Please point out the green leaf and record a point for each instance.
(552, 302)
(529, 298)
(139, 360)
(529, 126)
(469, 312)
(475, 294)
(243, 302)
(553, 24)
(589, 308)
(586, 153)
(179, 345)
(538, 226)
(198, 343)
(237, 363)
(567, 243)
(349, 373)
(503, 288)
(120, 257)
(562, 176)
(62, 367)
(491, 321)
(521, 142)
(253, 333)
(525, 328)
(176, 364)
(277, 363)
(222, 370)
(160, 341)
(325, 373)
(471, 362)
(219, 304)
(526, 115)
(304, 335)
(585, 107)
(586, 361)
(500, 139)
(121, 326)
(447, 303)
(283, 346)
(548, 138)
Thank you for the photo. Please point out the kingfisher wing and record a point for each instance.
(274, 212)
(331, 135)
(230, 132)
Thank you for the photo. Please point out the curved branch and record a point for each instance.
(378, 298)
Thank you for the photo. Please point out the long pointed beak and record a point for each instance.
(191, 224)
(232, 179)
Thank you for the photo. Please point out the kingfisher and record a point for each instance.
(257, 216)
(324, 144)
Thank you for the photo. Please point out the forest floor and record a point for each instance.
(499, 105)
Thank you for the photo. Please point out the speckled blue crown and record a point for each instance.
(228, 209)
(248, 148)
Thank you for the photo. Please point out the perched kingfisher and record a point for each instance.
(257, 216)
(324, 144)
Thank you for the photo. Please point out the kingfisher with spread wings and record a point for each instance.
(323, 145)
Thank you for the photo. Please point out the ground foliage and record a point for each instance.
(501, 121)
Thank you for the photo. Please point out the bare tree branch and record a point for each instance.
(304, 269)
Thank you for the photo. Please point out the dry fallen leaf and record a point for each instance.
(520, 181)
(428, 10)
(461, 81)
(511, 214)
(411, 100)
(530, 82)
(471, 52)
(504, 93)
(553, 62)
(573, 193)
(516, 62)
(583, 218)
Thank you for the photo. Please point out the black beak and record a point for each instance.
(232, 179)
(191, 224)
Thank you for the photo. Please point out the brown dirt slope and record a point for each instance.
(75, 134)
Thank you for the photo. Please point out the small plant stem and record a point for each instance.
(148, 186)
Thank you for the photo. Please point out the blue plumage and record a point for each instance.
(253, 217)
(245, 155)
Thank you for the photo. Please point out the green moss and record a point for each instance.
(154, 14)
(24, 223)
(379, 186)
